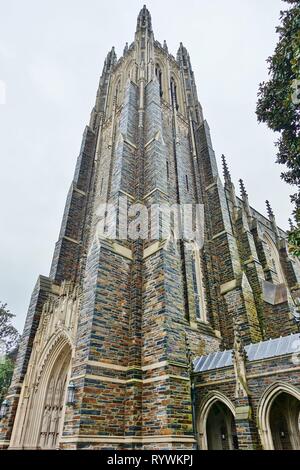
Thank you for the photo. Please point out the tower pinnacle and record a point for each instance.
(270, 210)
(243, 190)
(272, 218)
(144, 20)
(226, 172)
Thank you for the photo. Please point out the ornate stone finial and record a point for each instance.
(182, 49)
(182, 53)
(270, 211)
(244, 196)
(125, 48)
(112, 53)
(144, 20)
(243, 190)
(111, 59)
(226, 171)
(165, 46)
(272, 219)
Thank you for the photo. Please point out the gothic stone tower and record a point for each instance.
(121, 319)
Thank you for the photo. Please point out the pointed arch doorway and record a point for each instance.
(220, 428)
(279, 418)
(54, 405)
(216, 424)
(40, 415)
(285, 422)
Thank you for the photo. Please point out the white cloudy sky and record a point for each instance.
(51, 56)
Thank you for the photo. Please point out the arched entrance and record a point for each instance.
(41, 409)
(216, 424)
(220, 428)
(284, 422)
(279, 418)
(54, 402)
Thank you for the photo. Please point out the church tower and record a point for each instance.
(106, 357)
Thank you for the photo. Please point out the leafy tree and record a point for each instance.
(279, 104)
(294, 240)
(9, 339)
(9, 336)
(6, 372)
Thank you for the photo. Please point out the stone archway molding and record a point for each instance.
(29, 414)
(204, 410)
(52, 350)
(264, 407)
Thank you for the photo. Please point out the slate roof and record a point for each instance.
(263, 350)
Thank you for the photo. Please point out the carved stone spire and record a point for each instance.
(144, 20)
(183, 56)
(272, 217)
(244, 194)
(270, 211)
(125, 48)
(226, 171)
(144, 43)
(166, 46)
(230, 186)
(99, 108)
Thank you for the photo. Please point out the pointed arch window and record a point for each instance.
(274, 258)
(117, 93)
(158, 74)
(174, 97)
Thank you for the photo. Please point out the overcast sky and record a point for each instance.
(51, 57)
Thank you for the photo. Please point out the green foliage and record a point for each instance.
(9, 335)
(294, 239)
(279, 101)
(6, 372)
(9, 339)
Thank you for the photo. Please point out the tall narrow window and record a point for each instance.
(274, 259)
(174, 94)
(158, 74)
(200, 304)
(187, 182)
(117, 93)
(168, 171)
(195, 285)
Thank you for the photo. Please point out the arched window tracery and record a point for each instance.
(274, 259)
